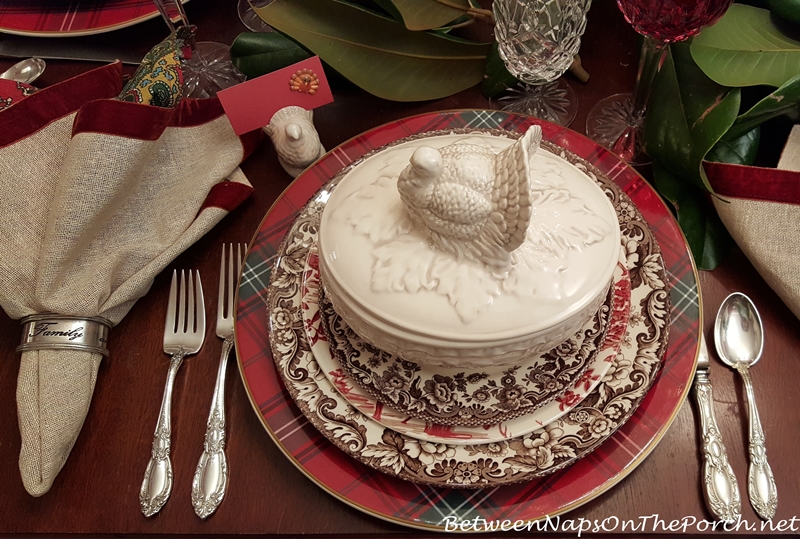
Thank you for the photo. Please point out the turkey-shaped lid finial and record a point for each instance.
(470, 201)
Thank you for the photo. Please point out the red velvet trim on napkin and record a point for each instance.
(145, 122)
(251, 141)
(757, 183)
(226, 195)
(47, 105)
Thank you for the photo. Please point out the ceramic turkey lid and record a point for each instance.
(375, 253)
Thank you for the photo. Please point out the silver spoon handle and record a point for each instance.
(720, 488)
(760, 481)
(157, 483)
(211, 476)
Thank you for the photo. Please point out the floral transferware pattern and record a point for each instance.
(523, 458)
(458, 434)
(449, 396)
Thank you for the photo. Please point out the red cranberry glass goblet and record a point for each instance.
(616, 122)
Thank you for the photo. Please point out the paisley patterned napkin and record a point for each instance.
(99, 194)
(159, 80)
(761, 210)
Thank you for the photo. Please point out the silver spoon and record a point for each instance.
(739, 340)
(25, 71)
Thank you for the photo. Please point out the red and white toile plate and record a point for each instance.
(61, 18)
(433, 507)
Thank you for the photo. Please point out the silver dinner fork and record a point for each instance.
(211, 477)
(184, 331)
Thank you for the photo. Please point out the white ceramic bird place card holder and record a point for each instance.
(295, 139)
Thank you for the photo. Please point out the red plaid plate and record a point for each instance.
(428, 507)
(50, 18)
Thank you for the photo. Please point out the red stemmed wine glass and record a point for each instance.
(616, 122)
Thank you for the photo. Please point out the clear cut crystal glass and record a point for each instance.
(208, 69)
(537, 40)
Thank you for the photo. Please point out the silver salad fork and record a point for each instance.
(184, 331)
(211, 477)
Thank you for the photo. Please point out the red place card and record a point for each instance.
(251, 104)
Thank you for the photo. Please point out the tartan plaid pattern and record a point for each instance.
(427, 507)
(43, 17)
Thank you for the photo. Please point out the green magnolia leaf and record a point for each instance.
(429, 14)
(755, 3)
(377, 54)
(744, 48)
(687, 115)
(461, 21)
(788, 10)
(496, 78)
(739, 151)
(391, 9)
(259, 53)
(783, 100)
(707, 236)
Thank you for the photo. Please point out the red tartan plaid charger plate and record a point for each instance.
(428, 507)
(57, 18)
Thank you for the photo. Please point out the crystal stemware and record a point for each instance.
(617, 121)
(208, 68)
(538, 40)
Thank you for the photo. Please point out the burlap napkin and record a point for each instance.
(97, 196)
(761, 210)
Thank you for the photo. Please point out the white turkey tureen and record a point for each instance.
(467, 250)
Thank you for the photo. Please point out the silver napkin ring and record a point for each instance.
(54, 331)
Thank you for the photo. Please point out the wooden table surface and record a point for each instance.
(97, 491)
